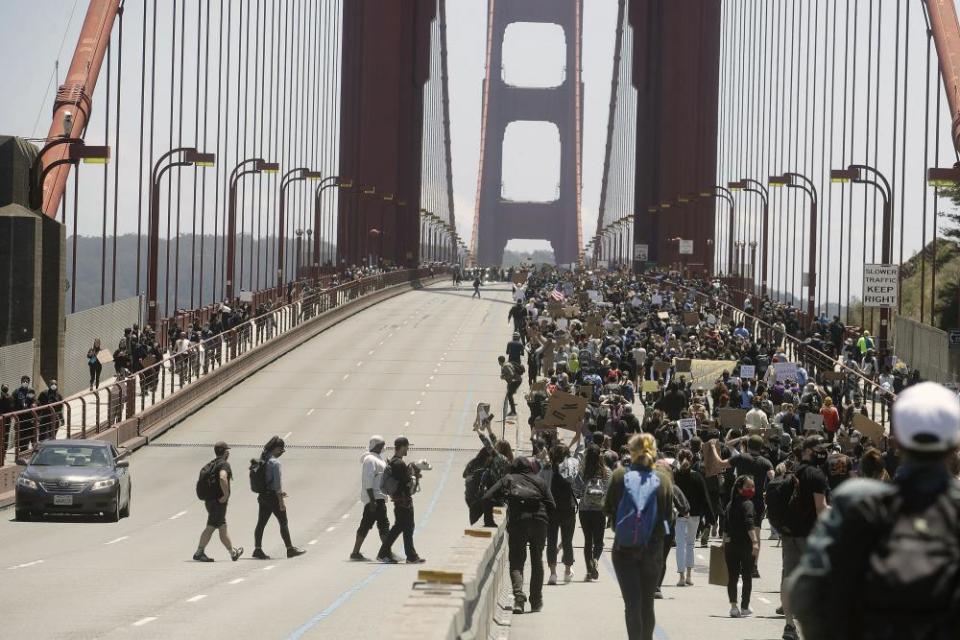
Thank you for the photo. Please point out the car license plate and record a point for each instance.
(63, 501)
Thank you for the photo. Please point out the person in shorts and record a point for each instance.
(217, 509)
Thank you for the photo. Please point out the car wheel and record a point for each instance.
(114, 516)
(125, 512)
(22, 515)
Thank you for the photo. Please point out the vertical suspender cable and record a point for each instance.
(106, 180)
(116, 155)
(196, 137)
(926, 163)
(203, 179)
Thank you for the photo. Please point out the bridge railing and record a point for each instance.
(90, 413)
(876, 399)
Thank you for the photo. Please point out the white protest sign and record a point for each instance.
(686, 428)
(748, 371)
(813, 422)
(641, 252)
(686, 247)
(881, 285)
(657, 299)
(785, 371)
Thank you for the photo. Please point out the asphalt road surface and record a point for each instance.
(415, 365)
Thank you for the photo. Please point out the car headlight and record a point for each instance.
(26, 482)
(104, 484)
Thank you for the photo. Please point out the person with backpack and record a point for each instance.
(741, 544)
(639, 500)
(213, 487)
(595, 480)
(564, 486)
(266, 482)
(530, 506)
(490, 464)
(476, 287)
(885, 561)
(794, 501)
(512, 374)
(400, 481)
(694, 487)
(374, 502)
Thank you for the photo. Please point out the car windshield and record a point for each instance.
(59, 456)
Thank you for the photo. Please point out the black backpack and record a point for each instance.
(258, 475)
(523, 495)
(784, 510)
(208, 484)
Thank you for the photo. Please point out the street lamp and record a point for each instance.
(327, 183)
(799, 181)
(749, 185)
(180, 157)
(294, 175)
(253, 166)
(864, 174)
(78, 151)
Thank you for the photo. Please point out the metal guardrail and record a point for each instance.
(93, 412)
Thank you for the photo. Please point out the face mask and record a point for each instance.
(53, 387)
(748, 492)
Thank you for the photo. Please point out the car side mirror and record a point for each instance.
(123, 464)
(20, 462)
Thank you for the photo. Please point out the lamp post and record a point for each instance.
(311, 256)
(294, 175)
(252, 166)
(723, 193)
(327, 183)
(864, 174)
(77, 152)
(185, 157)
(799, 181)
(749, 185)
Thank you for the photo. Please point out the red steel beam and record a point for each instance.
(76, 93)
(946, 35)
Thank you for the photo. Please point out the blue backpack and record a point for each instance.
(637, 511)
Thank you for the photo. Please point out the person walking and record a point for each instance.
(563, 521)
(741, 544)
(595, 478)
(476, 287)
(694, 487)
(93, 363)
(530, 506)
(401, 481)
(893, 548)
(374, 502)
(215, 478)
(510, 373)
(272, 501)
(639, 499)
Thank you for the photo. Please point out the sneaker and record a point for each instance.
(536, 607)
(790, 633)
(689, 581)
(236, 553)
(552, 580)
(568, 575)
(657, 595)
(780, 610)
(259, 554)
(774, 535)
(416, 560)
(756, 574)
(734, 611)
(703, 543)
(746, 612)
(681, 582)
(200, 556)
(518, 606)
(358, 557)
(293, 552)
(387, 559)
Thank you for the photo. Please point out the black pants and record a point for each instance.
(402, 524)
(520, 534)
(270, 505)
(562, 525)
(739, 559)
(512, 389)
(593, 523)
(667, 545)
(374, 513)
(95, 370)
(637, 573)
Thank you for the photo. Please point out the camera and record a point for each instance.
(422, 465)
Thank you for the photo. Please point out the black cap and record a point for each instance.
(220, 447)
(401, 442)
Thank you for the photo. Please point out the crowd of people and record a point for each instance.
(698, 427)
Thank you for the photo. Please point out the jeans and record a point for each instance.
(792, 549)
(637, 573)
(686, 531)
(562, 523)
(402, 524)
(520, 534)
(739, 558)
(593, 523)
(269, 505)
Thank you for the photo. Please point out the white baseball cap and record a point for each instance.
(926, 417)
(374, 441)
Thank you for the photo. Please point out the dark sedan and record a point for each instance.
(74, 477)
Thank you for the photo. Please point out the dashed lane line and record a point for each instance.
(177, 515)
(270, 567)
(346, 375)
(329, 529)
(197, 598)
(26, 564)
(143, 621)
(236, 581)
(287, 437)
(329, 392)
(309, 413)
(116, 540)
(312, 542)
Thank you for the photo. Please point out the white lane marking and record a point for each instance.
(270, 567)
(764, 600)
(390, 335)
(116, 540)
(418, 402)
(289, 433)
(329, 529)
(345, 516)
(197, 598)
(143, 621)
(370, 353)
(427, 385)
(407, 423)
(309, 413)
(360, 364)
(236, 581)
(381, 343)
(346, 375)
(423, 393)
(26, 564)
(431, 377)
(179, 514)
(329, 392)
(312, 542)
(413, 413)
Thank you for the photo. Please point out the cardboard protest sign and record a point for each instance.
(564, 411)
(732, 418)
(868, 427)
(104, 356)
(711, 458)
(691, 318)
(813, 422)
(149, 361)
(555, 308)
(683, 365)
(562, 323)
(661, 367)
(663, 315)
(594, 327)
(785, 371)
(571, 312)
(707, 371)
(519, 277)
(650, 386)
(830, 376)
(585, 391)
(595, 296)
(748, 371)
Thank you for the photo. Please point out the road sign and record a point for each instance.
(641, 252)
(954, 337)
(686, 247)
(880, 285)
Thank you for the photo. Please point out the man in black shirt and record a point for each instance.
(752, 463)
(515, 349)
(408, 481)
(217, 508)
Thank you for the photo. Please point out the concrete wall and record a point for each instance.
(107, 323)
(925, 348)
(15, 361)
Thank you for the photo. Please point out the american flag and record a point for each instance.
(557, 294)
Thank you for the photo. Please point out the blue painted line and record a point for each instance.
(658, 631)
(358, 587)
